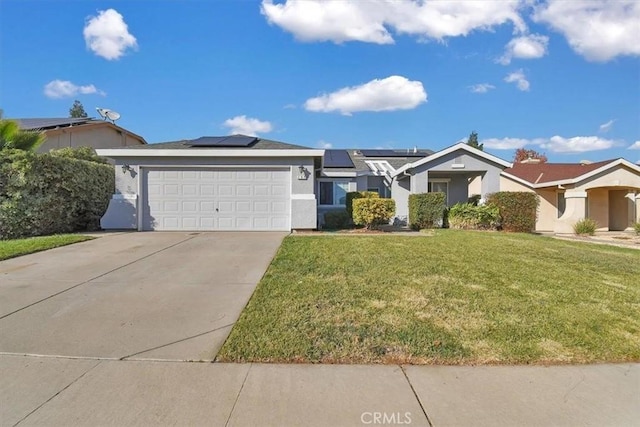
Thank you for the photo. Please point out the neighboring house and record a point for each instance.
(80, 132)
(214, 183)
(607, 191)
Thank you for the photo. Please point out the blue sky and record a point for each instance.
(560, 77)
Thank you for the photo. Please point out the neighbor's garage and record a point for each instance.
(221, 199)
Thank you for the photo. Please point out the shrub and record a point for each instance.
(373, 212)
(474, 199)
(336, 220)
(518, 210)
(358, 195)
(585, 227)
(79, 153)
(636, 227)
(426, 210)
(469, 216)
(44, 194)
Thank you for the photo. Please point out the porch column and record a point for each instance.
(575, 211)
(637, 215)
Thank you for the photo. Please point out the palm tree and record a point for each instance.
(11, 136)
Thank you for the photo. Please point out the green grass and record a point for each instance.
(452, 297)
(18, 247)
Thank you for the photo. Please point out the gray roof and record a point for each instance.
(260, 144)
(52, 123)
(360, 165)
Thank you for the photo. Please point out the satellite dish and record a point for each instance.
(107, 114)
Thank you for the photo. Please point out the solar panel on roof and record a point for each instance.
(337, 159)
(223, 141)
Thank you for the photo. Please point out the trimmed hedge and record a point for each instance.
(336, 220)
(373, 212)
(468, 216)
(427, 210)
(44, 194)
(358, 195)
(518, 210)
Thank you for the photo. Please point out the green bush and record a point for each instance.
(471, 217)
(426, 210)
(79, 153)
(358, 195)
(373, 212)
(44, 194)
(518, 210)
(336, 220)
(585, 227)
(636, 227)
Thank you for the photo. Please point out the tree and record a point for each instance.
(523, 154)
(11, 136)
(77, 110)
(473, 141)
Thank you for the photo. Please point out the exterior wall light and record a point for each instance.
(303, 173)
(126, 168)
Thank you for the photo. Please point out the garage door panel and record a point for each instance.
(217, 199)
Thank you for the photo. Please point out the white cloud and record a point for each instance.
(324, 144)
(635, 146)
(481, 88)
(599, 30)
(525, 47)
(65, 89)
(577, 144)
(371, 21)
(107, 35)
(392, 93)
(505, 143)
(606, 127)
(247, 126)
(519, 79)
(556, 144)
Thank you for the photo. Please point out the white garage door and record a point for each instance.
(217, 199)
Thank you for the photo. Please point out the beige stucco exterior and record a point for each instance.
(610, 197)
(95, 135)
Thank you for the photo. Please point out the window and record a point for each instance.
(439, 186)
(562, 204)
(333, 192)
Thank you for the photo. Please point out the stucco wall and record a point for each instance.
(459, 185)
(95, 136)
(400, 190)
(598, 207)
(547, 210)
(621, 176)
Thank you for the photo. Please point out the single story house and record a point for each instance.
(246, 183)
(607, 191)
(80, 132)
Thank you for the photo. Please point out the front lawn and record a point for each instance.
(455, 297)
(18, 247)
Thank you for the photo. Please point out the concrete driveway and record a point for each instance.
(160, 296)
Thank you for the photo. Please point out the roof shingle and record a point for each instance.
(539, 173)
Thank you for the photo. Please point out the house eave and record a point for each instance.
(118, 153)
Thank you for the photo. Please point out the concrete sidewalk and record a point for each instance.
(62, 391)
